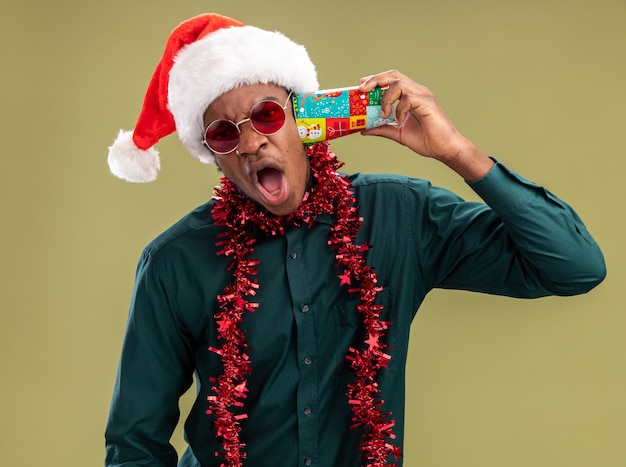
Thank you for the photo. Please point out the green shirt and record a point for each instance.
(523, 242)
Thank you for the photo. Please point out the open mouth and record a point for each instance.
(271, 180)
(271, 185)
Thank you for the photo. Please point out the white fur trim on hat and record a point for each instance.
(130, 163)
(224, 60)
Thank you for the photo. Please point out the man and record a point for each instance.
(290, 295)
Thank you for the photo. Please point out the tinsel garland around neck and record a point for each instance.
(329, 193)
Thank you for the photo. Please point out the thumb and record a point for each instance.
(386, 131)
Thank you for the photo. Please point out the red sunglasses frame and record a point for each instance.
(241, 122)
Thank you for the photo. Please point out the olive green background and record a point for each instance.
(492, 381)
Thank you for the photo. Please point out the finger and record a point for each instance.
(386, 131)
(407, 96)
(380, 79)
(403, 108)
(419, 103)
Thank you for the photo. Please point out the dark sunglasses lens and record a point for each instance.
(267, 117)
(222, 136)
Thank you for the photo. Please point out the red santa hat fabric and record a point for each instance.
(204, 57)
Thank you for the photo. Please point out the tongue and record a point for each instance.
(270, 179)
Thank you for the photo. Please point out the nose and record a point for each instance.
(250, 141)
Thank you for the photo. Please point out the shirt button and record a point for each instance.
(294, 255)
(308, 360)
(304, 308)
(308, 461)
(307, 411)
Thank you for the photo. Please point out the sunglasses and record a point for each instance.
(266, 118)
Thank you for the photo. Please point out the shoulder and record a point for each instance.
(362, 180)
(401, 186)
(196, 226)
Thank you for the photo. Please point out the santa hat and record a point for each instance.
(205, 57)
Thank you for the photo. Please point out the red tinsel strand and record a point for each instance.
(363, 392)
(330, 193)
(230, 388)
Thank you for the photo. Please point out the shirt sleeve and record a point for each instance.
(155, 369)
(523, 242)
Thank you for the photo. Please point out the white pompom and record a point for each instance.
(130, 163)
